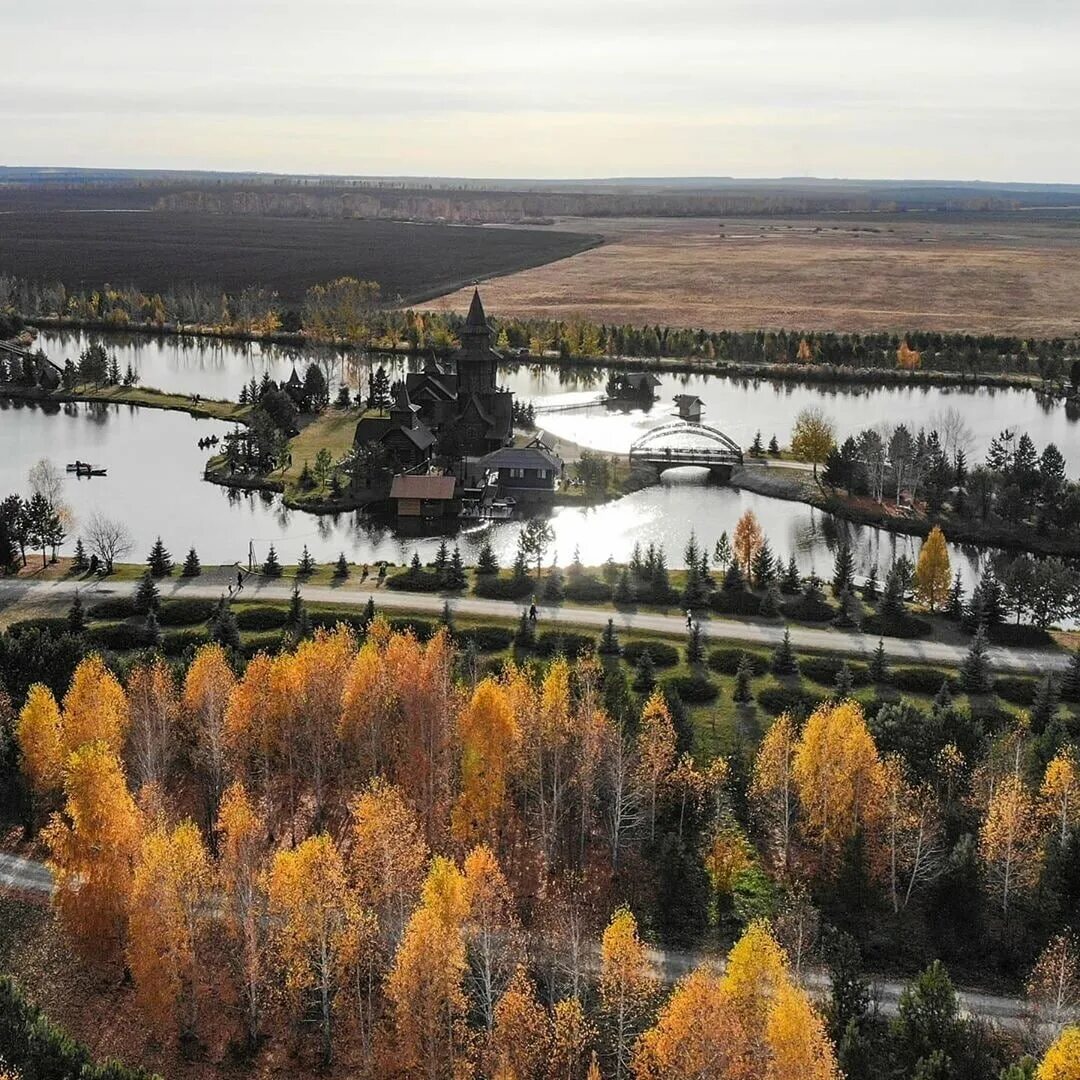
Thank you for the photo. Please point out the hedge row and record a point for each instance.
(662, 654)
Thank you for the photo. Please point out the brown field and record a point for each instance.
(996, 274)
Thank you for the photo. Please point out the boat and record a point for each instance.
(84, 468)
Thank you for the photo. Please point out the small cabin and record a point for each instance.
(525, 473)
(424, 497)
(632, 386)
(690, 407)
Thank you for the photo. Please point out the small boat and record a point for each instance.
(98, 472)
(84, 468)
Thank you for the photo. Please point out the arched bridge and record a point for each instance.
(684, 443)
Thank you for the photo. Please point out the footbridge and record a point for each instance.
(682, 443)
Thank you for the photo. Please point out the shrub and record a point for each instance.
(54, 626)
(693, 689)
(824, 669)
(264, 641)
(920, 680)
(487, 638)
(1011, 634)
(179, 641)
(570, 644)
(726, 661)
(185, 612)
(421, 628)
(327, 620)
(117, 636)
(1016, 690)
(415, 581)
(116, 607)
(663, 655)
(262, 617)
(735, 602)
(809, 609)
(587, 589)
(793, 699)
(898, 626)
(500, 588)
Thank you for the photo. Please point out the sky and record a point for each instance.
(942, 89)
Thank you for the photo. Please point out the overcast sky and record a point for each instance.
(958, 89)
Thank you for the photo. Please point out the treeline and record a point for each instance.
(419, 858)
(347, 311)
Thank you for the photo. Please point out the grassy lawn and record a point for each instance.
(332, 430)
(137, 395)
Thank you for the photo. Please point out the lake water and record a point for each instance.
(740, 407)
(154, 485)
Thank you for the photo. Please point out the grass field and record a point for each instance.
(969, 273)
(156, 251)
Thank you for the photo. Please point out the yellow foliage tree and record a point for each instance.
(207, 687)
(627, 986)
(746, 540)
(907, 358)
(253, 720)
(489, 741)
(772, 786)
(521, 1036)
(38, 734)
(656, 749)
(154, 708)
(812, 437)
(797, 1042)
(1009, 840)
(1060, 794)
(837, 774)
(1062, 1060)
(95, 708)
(933, 573)
(93, 846)
(168, 893)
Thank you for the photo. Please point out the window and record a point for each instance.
(542, 474)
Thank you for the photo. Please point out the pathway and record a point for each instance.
(766, 635)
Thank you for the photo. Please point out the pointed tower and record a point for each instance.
(477, 362)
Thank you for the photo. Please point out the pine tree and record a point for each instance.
(733, 577)
(80, 561)
(526, 633)
(771, 606)
(159, 560)
(1070, 683)
(954, 604)
(368, 616)
(192, 567)
(756, 447)
(520, 570)
(763, 567)
(870, 588)
(341, 567)
(486, 563)
(76, 617)
(695, 646)
(783, 659)
(975, 672)
(442, 562)
(297, 619)
(774, 447)
(306, 566)
(843, 570)
(147, 597)
(456, 578)
(554, 586)
(623, 594)
(722, 551)
(271, 568)
(151, 630)
(943, 698)
(849, 615)
(609, 640)
(447, 617)
(645, 673)
(1045, 705)
(844, 681)
(892, 596)
(743, 674)
(792, 582)
(879, 664)
(223, 627)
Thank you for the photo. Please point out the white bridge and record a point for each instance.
(682, 443)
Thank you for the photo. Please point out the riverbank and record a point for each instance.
(145, 397)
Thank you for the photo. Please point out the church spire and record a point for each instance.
(476, 320)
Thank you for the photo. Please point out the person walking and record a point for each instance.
(239, 580)
(689, 619)
(532, 612)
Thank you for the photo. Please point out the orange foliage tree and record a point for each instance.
(746, 540)
(627, 987)
(38, 734)
(656, 749)
(154, 707)
(207, 686)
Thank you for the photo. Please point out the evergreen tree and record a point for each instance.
(554, 587)
(447, 617)
(733, 577)
(645, 673)
(486, 563)
(192, 567)
(159, 560)
(147, 597)
(695, 646)
(792, 581)
(624, 591)
(722, 551)
(76, 617)
(843, 570)
(879, 664)
(892, 596)
(306, 566)
(783, 658)
(1045, 705)
(442, 562)
(954, 604)
(743, 674)
(987, 605)
(609, 640)
(771, 606)
(756, 447)
(943, 698)
(456, 578)
(271, 568)
(774, 447)
(975, 672)
(576, 568)
(151, 631)
(870, 588)
(297, 622)
(849, 613)
(341, 567)
(520, 570)
(763, 567)
(368, 616)
(223, 627)
(526, 632)
(610, 571)
(80, 561)
(844, 681)
(1070, 684)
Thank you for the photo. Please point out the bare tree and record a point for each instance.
(109, 539)
(623, 795)
(953, 432)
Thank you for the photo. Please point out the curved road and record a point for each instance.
(212, 585)
(25, 876)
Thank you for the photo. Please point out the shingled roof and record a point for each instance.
(476, 320)
(422, 487)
